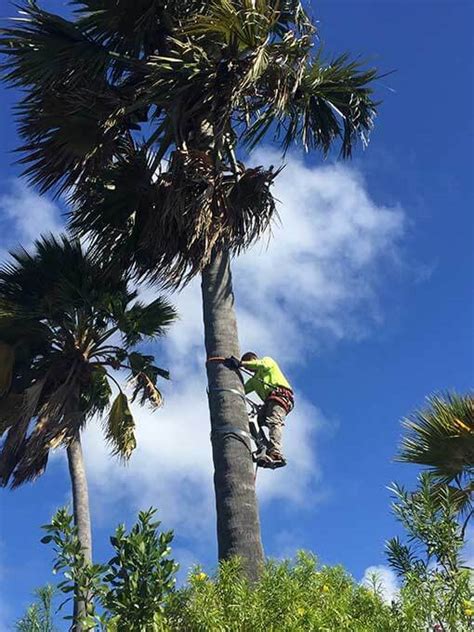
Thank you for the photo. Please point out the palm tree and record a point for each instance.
(142, 111)
(66, 322)
(441, 437)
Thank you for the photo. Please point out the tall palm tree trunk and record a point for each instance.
(82, 520)
(238, 524)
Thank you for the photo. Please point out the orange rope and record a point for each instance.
(215, 359)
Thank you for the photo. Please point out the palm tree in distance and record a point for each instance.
(66, 322)
(144, 109)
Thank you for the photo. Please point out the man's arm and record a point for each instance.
(254, 364)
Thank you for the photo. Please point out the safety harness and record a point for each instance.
(284, 397)
(281, 395)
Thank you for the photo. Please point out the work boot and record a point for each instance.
(276, 456)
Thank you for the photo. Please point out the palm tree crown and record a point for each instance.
(441, 436)
(139, 108)
(66, 322)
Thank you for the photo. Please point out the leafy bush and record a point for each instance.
(131, 589)
(437, 586)
(289, 596)
(39, 616)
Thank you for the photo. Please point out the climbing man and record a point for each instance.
(274, 390)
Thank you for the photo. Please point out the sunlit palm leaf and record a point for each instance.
(120, 428)
(442, 436)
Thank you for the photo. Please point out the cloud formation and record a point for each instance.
(24, 216)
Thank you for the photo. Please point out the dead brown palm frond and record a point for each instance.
(147, 390)
(7, 359)
(14, 442)
(10, 411)
(199, 210)
(175, 219)
(34, 457)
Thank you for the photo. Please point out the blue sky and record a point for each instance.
(378, 313)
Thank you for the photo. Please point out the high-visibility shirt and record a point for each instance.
(267, 377)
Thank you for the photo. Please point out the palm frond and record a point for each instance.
(148, 321)
(146, 388)
(10, 411)
(14, 443)
(134, 28)
(96, 394)
(441, 436)
(7, 359)
(120, 428)
(240, 25)
(171, 225)
(43, 49)
(144, 376)
(33, 459)
(315, 105)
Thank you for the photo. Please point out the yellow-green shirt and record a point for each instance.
(267, 376)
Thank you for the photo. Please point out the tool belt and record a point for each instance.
(284, 397)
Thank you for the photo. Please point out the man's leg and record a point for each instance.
(275, 419)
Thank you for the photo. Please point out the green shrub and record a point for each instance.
(289, 596)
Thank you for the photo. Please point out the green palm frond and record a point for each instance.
(316, 104)
(95, 397)
(120, 428)
(146, 321)
(441, 436)
(44, 49)
(134, 28)
(240, 25)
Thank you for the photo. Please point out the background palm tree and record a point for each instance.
(441, 437)
(66, 322)
(145, 109)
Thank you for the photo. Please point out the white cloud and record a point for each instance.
(385, 581)
(315, 282)
(25, 215)
(317, 278)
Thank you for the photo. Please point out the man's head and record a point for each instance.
(249, 356)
